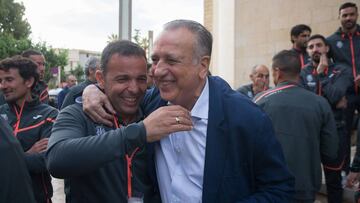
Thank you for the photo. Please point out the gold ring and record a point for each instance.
(177, 120)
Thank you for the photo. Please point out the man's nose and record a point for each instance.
(159, 69)
(133, 86)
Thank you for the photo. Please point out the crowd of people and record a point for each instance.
(188, 136)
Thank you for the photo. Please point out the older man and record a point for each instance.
(260, 81)
(91, 66)
(231, 153)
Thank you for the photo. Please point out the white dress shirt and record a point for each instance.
(180, 157)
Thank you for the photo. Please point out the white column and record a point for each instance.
(125, 19)
(223, 56)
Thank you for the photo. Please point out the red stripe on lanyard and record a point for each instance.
(302, 60)
(128, 163)
(18, 117)
(353, 60)
(129, 172)
(42, 95)
(271, 91)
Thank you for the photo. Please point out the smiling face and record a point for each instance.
(178, 73)
(124, 82)
(13, 86)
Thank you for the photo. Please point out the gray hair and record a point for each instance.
(91, 64)
(203, 44)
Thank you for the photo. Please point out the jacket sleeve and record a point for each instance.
(273, 180)
(36, 161)
(335, 87)
(329, 142)
(68, 100)
(72, 152)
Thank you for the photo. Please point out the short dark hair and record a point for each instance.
(26, 67)
(122, 47)
(288, 62)
(203, 42)
(318, 36)
(347, 5)
(297, 30)
(30, 52)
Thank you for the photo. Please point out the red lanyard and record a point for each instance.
(18, 117)
(128, 162)
(43, 95)
(318, 82)
(353, 60)
(302, 60)
(271, 91)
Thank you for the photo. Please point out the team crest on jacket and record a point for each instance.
(5, 117)
(339, 44)
(100, 130)
(309, 78)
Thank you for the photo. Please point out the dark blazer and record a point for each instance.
(243, 160)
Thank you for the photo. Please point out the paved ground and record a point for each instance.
(58, 186)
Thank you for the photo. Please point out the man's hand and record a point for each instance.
(323, 64)
(39, 146)
(352, 179)
(166, 120)
(97, 106)
(342, 104)
(357, 80)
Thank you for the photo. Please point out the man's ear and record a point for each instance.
(29, 82)
(204, 65)
(327, 48)
(100, 78)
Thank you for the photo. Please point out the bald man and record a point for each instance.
(260, 81)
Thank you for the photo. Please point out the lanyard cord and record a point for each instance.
(128, 162)
(271, 91)
(319, 87)
(18, 117)
(129, 172)
(353, 60)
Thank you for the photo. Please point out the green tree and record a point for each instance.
(54, 58)
(9, 46)
(78, 72)
(12, 20)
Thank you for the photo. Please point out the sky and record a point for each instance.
(86, 24)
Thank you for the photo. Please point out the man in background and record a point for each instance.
(70, 82)
(91, 66)
(299, 35)
(260, 81)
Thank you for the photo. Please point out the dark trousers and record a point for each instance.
(333, 168)
(333, 186)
